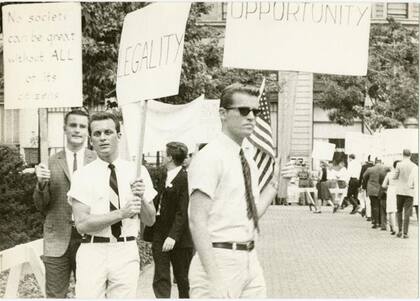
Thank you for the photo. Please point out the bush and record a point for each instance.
(20, 221)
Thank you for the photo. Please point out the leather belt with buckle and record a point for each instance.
(249, 246)
(100, 239)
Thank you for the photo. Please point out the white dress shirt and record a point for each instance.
(354, 168)
(217, 172)
(90, 186)
(80, 155)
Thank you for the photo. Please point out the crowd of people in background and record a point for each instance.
(384, 195)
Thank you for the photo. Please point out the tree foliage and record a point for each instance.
(391, 84)
(20, 221)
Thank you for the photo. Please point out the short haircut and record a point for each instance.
(352, 156)
(395, 163)
(104, 116)
(226, 97)
(406, 153)
(178, 151)
(79, 112)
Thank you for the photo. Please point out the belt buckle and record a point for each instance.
(248, 245)
(112, 239)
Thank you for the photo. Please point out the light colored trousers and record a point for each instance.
(365, 203)
(107, 270)
(240, 270)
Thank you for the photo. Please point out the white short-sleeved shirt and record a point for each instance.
(217, 171)
(90, 186)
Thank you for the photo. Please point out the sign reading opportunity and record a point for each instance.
(42, 55)
(298, 36)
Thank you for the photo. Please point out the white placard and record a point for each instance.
(42, 55)
(150, 53)
(298, 36)
(323, 150)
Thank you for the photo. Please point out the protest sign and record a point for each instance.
(42, 55)
(298, 36)
(323, 150)
(192, 123)
(150, 53)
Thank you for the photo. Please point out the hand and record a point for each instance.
(42, 173)
(131, 208)
(138, 188)
(168, 244)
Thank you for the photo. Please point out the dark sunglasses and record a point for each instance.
(244, 111)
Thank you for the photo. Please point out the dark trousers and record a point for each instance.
(382, 212)
(406, 202)
(58, 269)
(180, 258)
(353, 191)
(374, 204)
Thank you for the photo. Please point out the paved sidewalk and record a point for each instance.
(306, 255)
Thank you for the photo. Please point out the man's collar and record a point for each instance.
(69, 152)
(230, 144)
(116, 162)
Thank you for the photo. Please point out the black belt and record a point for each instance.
(234, 246)
(100, 239)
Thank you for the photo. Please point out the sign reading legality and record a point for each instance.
(42, 55)
(150, 53)
(298, 36)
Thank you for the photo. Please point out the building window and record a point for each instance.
(397, 10)
(339, 144)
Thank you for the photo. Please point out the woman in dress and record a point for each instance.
(391, 197)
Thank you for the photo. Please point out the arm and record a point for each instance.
(385, 183)
(181, 216)
(200, 205)
(397, 172)
(365, 177)
(41, 193)
(87, 222)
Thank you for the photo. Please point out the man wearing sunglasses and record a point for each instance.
(225, 205)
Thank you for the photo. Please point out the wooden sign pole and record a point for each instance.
(142, 132)
(287, 97)
(43, 135)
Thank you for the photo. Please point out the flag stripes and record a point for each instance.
(262, 139)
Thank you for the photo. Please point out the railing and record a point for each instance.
(21, 260)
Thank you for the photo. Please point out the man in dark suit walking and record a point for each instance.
(373, 179)
(172, 243)
(61, 239)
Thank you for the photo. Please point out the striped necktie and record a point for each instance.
(114, 200)
(74, 162)
(251, 208)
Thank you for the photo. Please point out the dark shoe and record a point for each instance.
(375, 226)
(399, 234)
(317, 211)
(335, 208)
(383, 229)
(393, 232)
(405, 236)
(369, 219)
(363, 212)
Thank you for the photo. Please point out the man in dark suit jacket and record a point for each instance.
(172, 243)
(373, 178)
(366, 203)
(61, 239)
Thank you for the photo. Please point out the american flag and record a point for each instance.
(262, 139)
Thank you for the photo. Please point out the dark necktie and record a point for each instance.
(74, 162)
(251, 208)
(114, 200)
